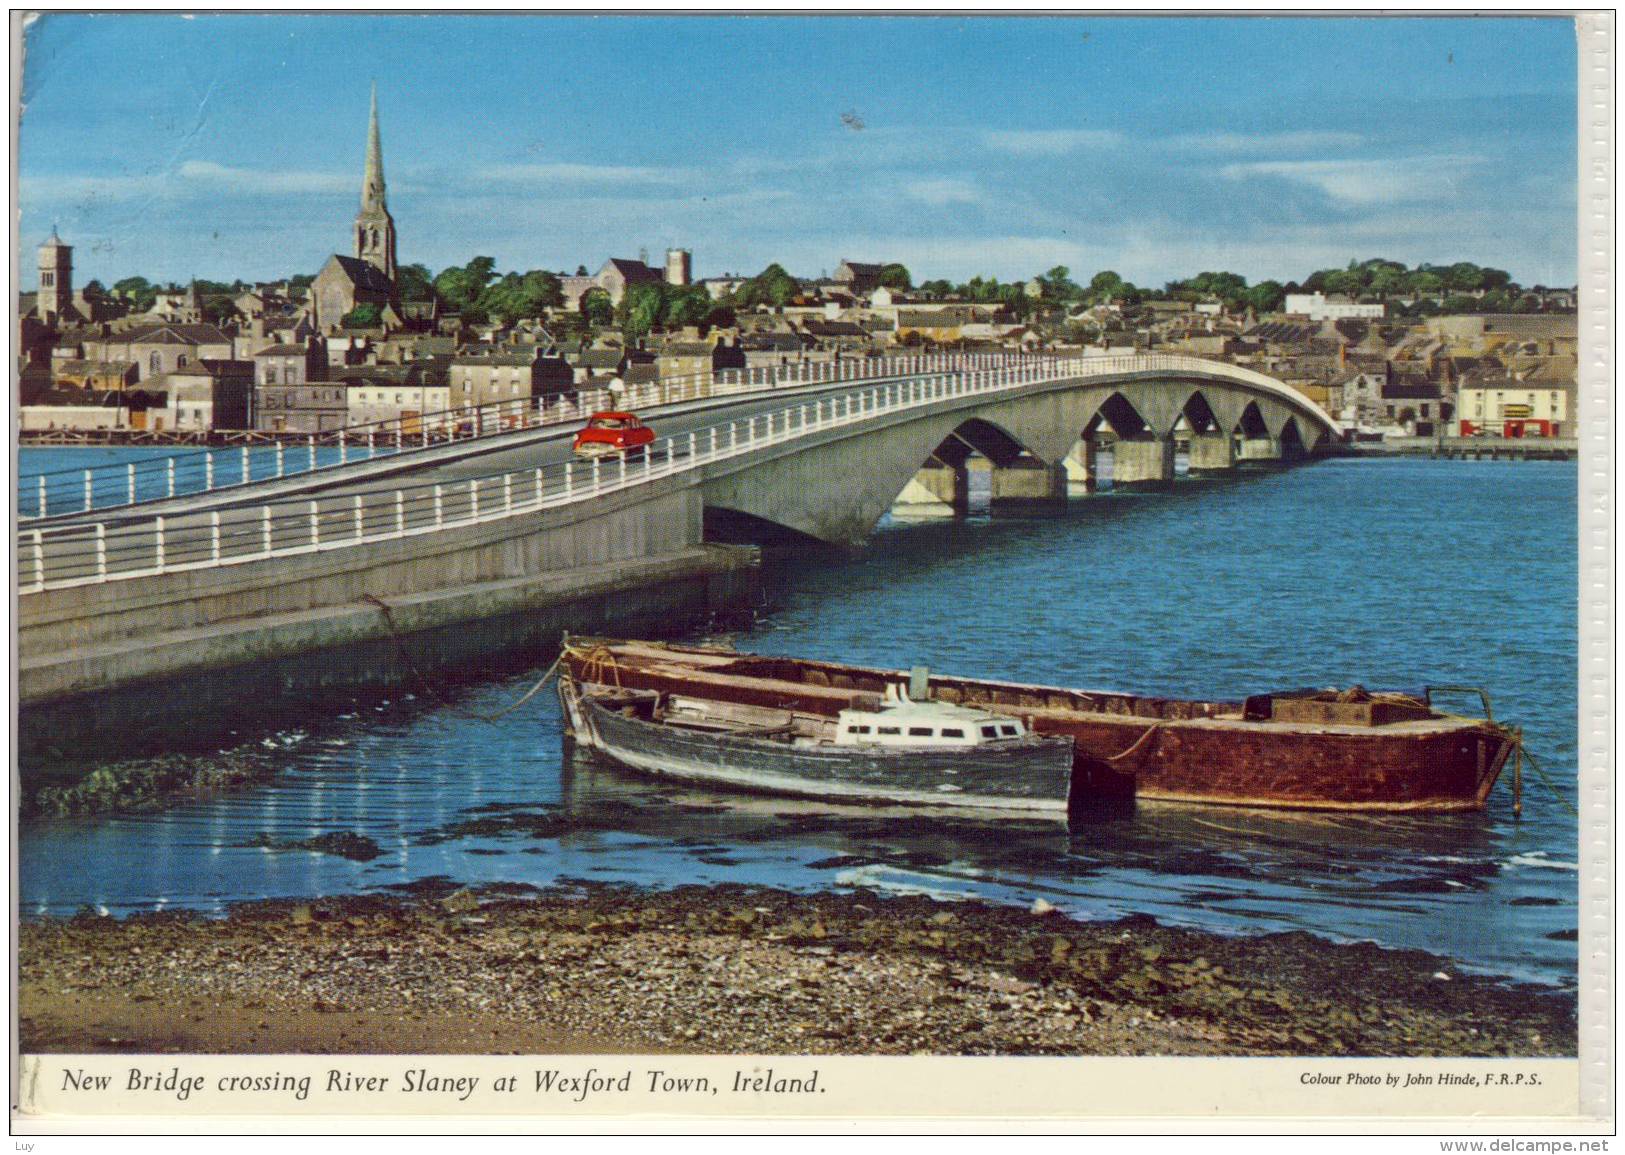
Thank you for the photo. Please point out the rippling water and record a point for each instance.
(1390, 574)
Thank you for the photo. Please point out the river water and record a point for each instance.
(1387, 573)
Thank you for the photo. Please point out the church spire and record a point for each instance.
(374, 228)
(372, 180)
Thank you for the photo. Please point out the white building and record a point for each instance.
(1320, 307)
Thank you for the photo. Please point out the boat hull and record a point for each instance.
(1031, 778)
(1127, 746)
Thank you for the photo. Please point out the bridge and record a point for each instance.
(465, 545)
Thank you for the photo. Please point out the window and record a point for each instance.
(155, 363)
(990, 731)
(1390, 410)
(919, 731)
(857, 729)
(47, 279)
(952, 733)
(1009, 731)
(1424, 409)
(887, 730)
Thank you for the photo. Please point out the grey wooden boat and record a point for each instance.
(884, 750)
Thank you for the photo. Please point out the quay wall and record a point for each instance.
(144, 692)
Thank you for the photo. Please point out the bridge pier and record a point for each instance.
(1027, 486)
(1260, 451)
(1143, 464)
(1212, 452)
(937, 490)
(1082, 465)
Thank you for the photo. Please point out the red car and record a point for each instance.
(611, 432)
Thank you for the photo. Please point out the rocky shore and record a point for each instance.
(740, 969)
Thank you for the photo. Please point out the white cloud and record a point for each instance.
(568, 173)
(1363, 182)
(940, 193)
(1266, 142)
(1049, 141)
(219, 177)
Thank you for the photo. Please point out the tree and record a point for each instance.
(639, 310)
(460, 287)
(895, 276)
(138, 291)
(1106, 284)
(581, 270)
(1344, 282)
(364, 316)
(94, 288)
(1058, 284)
(596, 308)
(937, 289)
(415, 283)
(518, 296)
(1266, 296)
(1465, 277)
(771, 286)
(1388, 281)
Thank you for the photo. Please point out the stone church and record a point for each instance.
(368, 278)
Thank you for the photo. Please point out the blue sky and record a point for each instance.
(231, 145)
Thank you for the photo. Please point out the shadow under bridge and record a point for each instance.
(835, 485)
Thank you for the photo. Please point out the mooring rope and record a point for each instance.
(426, 685)
(1138, 742)
(1550, 785)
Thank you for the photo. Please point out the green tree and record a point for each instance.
(771, 286)
(138, 291)
(1058, 284)
(1464, 276)
(363, 316)
(517, 296)
(895, 276)
(1345, 282)
(1266, 296)
(460, 286)
(640, 309)
(415, 283)
(937, 289)
(1106, 284)
(596, 308)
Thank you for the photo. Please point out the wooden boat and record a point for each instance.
(880, 749)
(1323, 750)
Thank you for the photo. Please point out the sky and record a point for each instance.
(231, 146)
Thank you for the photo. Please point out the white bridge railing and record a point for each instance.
(80, 553)
(67, 492)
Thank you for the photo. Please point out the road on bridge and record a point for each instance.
(366, 498)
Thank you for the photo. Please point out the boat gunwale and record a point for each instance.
(648, 655)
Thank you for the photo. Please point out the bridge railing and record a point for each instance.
(80, 553)
(74, 491)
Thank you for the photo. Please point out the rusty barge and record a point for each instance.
(1317, 750)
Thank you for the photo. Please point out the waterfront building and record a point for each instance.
(314, 407)
(404, 393)
(291, 364)
(163, 347)
(1320, 307)
(205, 396)
(1508, 407)
(507, 374)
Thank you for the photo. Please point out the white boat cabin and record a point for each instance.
(900, 721)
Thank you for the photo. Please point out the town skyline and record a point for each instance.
(804, 157)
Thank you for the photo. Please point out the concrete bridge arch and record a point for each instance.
(835, 485)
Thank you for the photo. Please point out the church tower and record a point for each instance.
(374, 227)
(55, 298)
